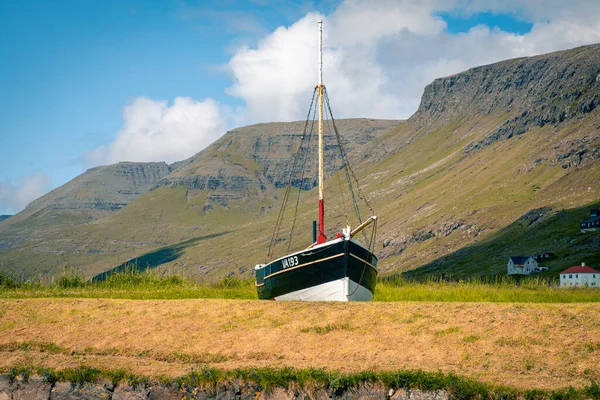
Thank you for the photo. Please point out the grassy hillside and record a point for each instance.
(442, 199)
(537, 232)
(432, 200)
(91, 195)
(486, 152)
(215, 192)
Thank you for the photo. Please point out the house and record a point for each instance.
(521, 265)
(580, 276)
(592, 223)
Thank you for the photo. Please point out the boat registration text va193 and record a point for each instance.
(290, 262)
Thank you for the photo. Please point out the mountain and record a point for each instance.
(485, 150)
(88, 197)
(244, 171)
(3, 217)
(253, 161)
(499, 160)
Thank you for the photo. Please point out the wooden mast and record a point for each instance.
(321, 238)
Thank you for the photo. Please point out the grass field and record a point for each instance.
(543, 346)
(521, 334)
(506, 291)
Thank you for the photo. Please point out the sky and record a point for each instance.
(89, 83)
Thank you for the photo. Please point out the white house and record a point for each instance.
(521, 265)
(580, 276)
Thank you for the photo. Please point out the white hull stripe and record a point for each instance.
(337, 290)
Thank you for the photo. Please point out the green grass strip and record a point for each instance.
(129, 285)
(530, 291)
(267, 379)
(148, 285)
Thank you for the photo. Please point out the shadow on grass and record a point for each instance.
(155, 258)
(538, 231)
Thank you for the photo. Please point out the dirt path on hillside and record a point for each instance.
(521, 345)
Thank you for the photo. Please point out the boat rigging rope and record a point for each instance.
(349, 171)
(312, 125)
(289, 185)
(371, 249)
(337, 173)
(345, 155)
(342, 196)
(348, 181)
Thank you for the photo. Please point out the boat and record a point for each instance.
(340, 269)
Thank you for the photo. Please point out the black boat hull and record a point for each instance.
(339, 270)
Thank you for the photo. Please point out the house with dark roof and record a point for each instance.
(521, 265)
(580, 275)
(592, 223)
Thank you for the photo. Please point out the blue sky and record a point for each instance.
(70, 69)
(457, 23)
(70, 66)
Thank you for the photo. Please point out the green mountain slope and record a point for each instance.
(236, 179)
(541, 231)
(91, 195)
(453, 185)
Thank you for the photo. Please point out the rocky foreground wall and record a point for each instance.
(37, 388)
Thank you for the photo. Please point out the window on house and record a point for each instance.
(570, 276)
(576, 275)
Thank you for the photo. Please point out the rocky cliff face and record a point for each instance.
(550, 89)
(87, 197)
(248, 161)
(546, 89)
(105, 188)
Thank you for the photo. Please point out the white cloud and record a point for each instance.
(365, 21)
(274, 79)
(379, 55)
(156, 131)
(14, 198)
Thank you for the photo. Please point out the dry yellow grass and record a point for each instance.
(543, 346)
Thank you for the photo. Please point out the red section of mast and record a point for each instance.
(321, 238)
